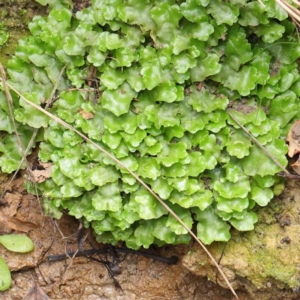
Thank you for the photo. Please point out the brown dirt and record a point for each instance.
(140, 278)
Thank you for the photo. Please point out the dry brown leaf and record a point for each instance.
(296, 166)
(86, 114)
(17, 224)
(36, 293)
(41, 175)
(293, 138)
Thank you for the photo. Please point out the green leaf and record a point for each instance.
(246, 223)
(204, 101)
(172, 153)
(263, 182)
(164, 115)
(136, 12)
(193, 12)
(233, 173)
(180, 43)
(162, 188)
(206, 67)
(239, 144)
(223, 12)
(17, 243)
(197, 164)
(73, 45)
(162, 232)
(253, 14)
(284, 51)
(96, 57)
(126, 122)
(230, 190)
(208, 233)
(70, 100)
(107, 197)
(271, 32)
(166, 17)
(118, 101)
(134, 139)
(112, 78)
(5, 122)
(261, 196)
(184, 184)
(184, 215)
(261, 62)
(3, 37)
(238, 49)
(168, 92)
(125, 57)
(70, 190)
(143, 234)
(5, 277)
(258, 163)
(12, 155)
(146, 205)
(200, 31)
(30, 115)
(283, 108)
(113, 41)
(152, 74)
(231, 205)
(243, 81)
(134, 78)
(201, 199)
(148, 168)
(100, 176)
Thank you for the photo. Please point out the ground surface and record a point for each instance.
(140, 278)
(263, 264)
(260, 264)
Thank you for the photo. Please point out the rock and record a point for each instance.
(265, 261)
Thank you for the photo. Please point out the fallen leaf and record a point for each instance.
(3, 201)
(296, 166)
(293, 138)
(17, 224)
(36, 293)
(86, 114)
(199, 86)
(41, 175)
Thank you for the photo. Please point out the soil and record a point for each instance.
(80, 278)
(262, 264)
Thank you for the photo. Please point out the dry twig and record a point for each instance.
(259, 144)
(66, 125)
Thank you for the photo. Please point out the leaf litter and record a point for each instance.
(293, 139)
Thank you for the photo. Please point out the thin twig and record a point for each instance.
(167, 260)
(66, 125)
(35, 132)
(259, 144)
(290, 11)
(46, 251)
(296, 2)
(10, 106)
(262, 4)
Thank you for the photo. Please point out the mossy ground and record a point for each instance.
(14, 18)
(265, 259)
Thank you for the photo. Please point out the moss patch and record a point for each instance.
(14, 18)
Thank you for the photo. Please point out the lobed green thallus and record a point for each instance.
(165, 73)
